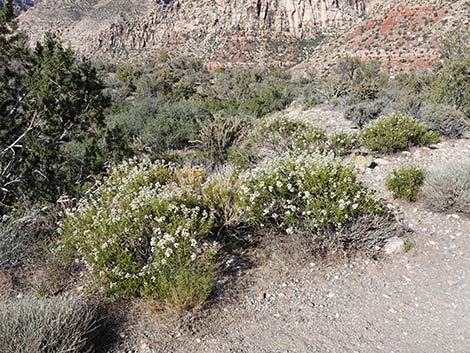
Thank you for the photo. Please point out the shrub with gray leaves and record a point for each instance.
(364, 112)
(367, 234)
(21, 239)
(54, 325)
(447, 187)
(445, 119)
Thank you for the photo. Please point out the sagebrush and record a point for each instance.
(447, 187)
(54, 325)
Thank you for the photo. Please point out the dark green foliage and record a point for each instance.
(451, 85)
(129, 75)
(396, 132)
(249, 91)
(59, 103)
(152, 126)
(405, 182)
(359, 80)
(52, 107)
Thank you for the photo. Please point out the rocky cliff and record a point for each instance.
(219, 31)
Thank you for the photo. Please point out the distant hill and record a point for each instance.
(273, 32)
(299, 33)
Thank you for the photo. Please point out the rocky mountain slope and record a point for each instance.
(401, 34)
(278, 32)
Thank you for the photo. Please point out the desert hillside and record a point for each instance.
(253, 31)
(401, 33)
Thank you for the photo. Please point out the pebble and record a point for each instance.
(394, 245)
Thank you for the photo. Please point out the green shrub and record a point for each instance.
(143, 233)
(221, 195)
(396, 132)
(244, 156)
(44, 326)
(155, 127)
(447, 187)
(354, 78)
(364, 112)
(58, 102)
(445, 119)
(306, 191)
(451, 85)
(342, 142)
(248, 91)
(128, 76)
(174, 126)
(405, 182)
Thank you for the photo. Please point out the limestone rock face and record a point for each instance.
(215, 30)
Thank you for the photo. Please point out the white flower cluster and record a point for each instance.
(139, 223)
(313, 189)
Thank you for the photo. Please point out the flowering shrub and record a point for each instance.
(405, 182)
(342, 143)
(308, 190)
(142, 233)
(396, 132)
(283, 134)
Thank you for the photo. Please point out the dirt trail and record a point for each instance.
(417, 302)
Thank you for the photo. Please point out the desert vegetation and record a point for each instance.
(139, 181)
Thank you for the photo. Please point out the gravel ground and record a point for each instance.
(288, 301)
